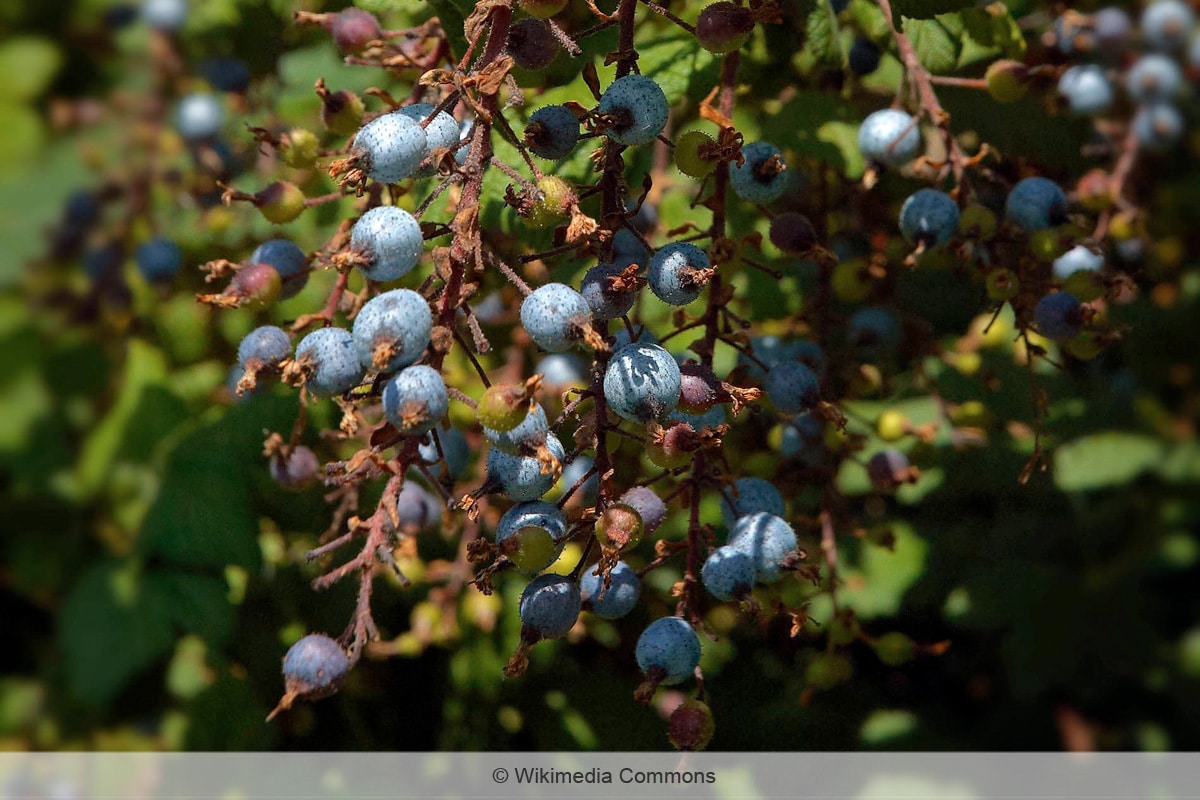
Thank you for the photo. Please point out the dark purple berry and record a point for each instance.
(531, 44)
(353, 29)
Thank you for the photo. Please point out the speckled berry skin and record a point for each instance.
(553, 132)
(315, 662)
(628, 248)
(649, 506)
(929, 217)
(335, 361)
(524, 438)
(670, 271)
(746, 180)
(753, 495)
(792, 387)
(158, 259)
(1057, 316)
(641, 101)
(889, 137)
(605, 304)
(1158, 126)
(550, 605)
(199, 116)
(455, 449)
(391, 239)
(400, 318)
(441, 132)
(1036, 203)
(767, 539)
(618, 599)
(727, 572)
(268, 345)
(286, 258)
(1166, 24)
(1086, 90)
(642, 383)
(671, 645)
(415, 400)
(553, 316)
(393, 146)
(521, 477)
(1079, 258)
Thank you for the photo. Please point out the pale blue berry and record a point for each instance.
(550, 605)
(750, 496)
(199, 116)
(676, 273)
(669, 644)
(315, 663)
(1036, 203)
(874, 331)
(889, 137)
(642, 382)
(762, 177)
(1079, 258)
(392, 147)
(415, 400)
(334, 361)
(1158, 126)
(552, 132)
(555, 316)
(266, 345)
(522, 477)
(392, 330)
(929, 217)
(1153, 78)
(165, 15)
(1086, 89)
(605, 304)
(768, 539)
(1166, 24)
(638, 109)
(728, 573)
(390, 239)
(618, 599)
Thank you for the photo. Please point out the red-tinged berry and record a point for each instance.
(724, 27)
(691, 726)
(531, 44)
(353, 29)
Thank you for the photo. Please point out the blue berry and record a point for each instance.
(266, 345)
(1112, 27)
(929, 217)
(334, 360)
(1079, 258)
(875, 331)
(669, 644)
(642, 382)
(296, 470)
(158, 259)
(890, 137)
(792, 387)
(573, 472)
(465, 129)
(887, 469)
(638, 109)
(677, 273)
(709, 419)
(750, 496)
(550, 605)
(455, 449)
(767, 539)
(532, 535)
(522, 477)
(1086, 89)
(605, 304)
(391, 240)
(1036, 203)
(803, 438)
(442, 132)
(226, 74)
(1158, 126)
(82, 209)
(392, 330)
(772, 350)
(199, 116)
(864, 56)
(762, 177)
(529, 435)
(554, 316)
(288, 260)
(417, 508)
(562, 369)
(728, 573)
(1193, 51)
(314, 664)
(1166, 24)
(415, 400)
(552, 132)
(1153, 78)
(628, 248)
(618, 599)
(647, 504)
(165, 15)
(643, 336)
(1057, 316)
(392, 147)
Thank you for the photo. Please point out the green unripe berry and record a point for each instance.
(1007, 80)
(827, 670)
(553, 203)
(1047, 244)
(299, 148)
(978, 221)
(1085, 346)
(542, 9)
(342, 112)
(851, 282)
(280, 202)
(688, 158)
(892, 426)
(256, 284)
(1002, 284)
(1086, 285)
(503, 407)
(894, 649)
(535, 548)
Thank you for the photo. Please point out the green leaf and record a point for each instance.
(1104, 459)
(994, 27)
(927, 9)
(675, 64)
(28, 64)
(21, 137)
(117, 622)
(452, 13)
(821, 35)
(936, 46)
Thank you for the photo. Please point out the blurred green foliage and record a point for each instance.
(151, 573)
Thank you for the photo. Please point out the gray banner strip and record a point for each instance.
(629, 776)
